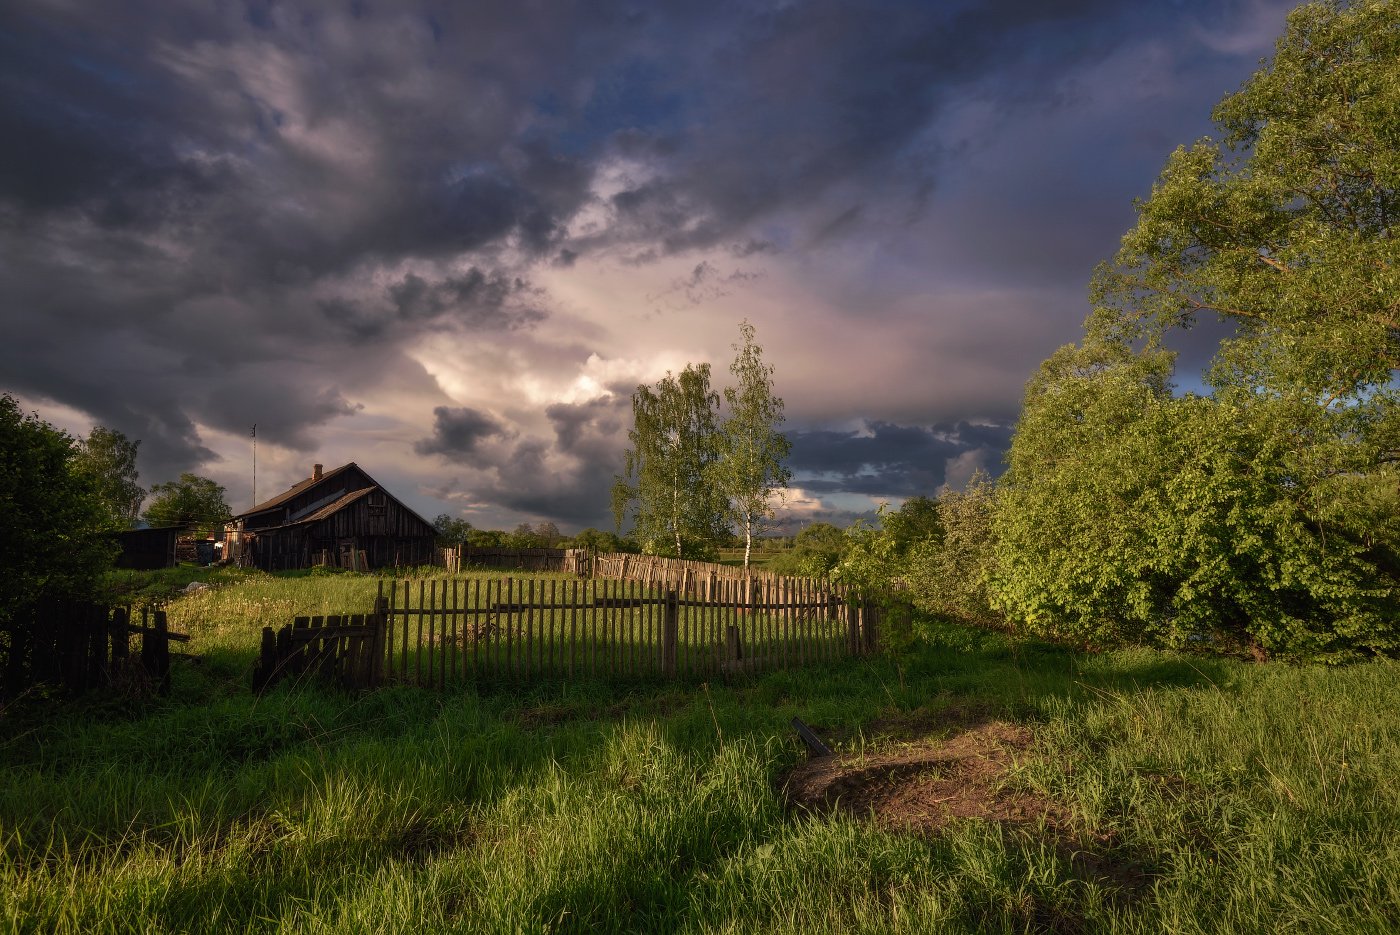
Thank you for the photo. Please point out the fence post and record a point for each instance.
(852, 625)
(870, 623)
(120, 645)
(161, 656)
(380, 622)
(267, 660)
(733, 649)
(670, 627)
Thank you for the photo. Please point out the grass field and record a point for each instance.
(1238, 797)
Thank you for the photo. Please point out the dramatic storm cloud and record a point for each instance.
(447, 240)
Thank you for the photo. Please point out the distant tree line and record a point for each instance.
(455, 531)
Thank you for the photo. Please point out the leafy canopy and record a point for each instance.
(450, 530)
(108, 458)
(668, 487)
(51, 519)
(194, 502)
(749, 467)
(1265, 510)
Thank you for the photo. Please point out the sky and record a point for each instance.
(447, 241)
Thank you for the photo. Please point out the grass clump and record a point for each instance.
(1212, 795)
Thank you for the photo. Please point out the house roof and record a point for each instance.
(296, 489)
(329, 509)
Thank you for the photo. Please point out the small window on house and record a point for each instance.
(376, 499)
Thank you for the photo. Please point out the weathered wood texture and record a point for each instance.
(347, 650)
(79, 646)
(658, 569)
(572, 561)
(441, 631)
(344, 513)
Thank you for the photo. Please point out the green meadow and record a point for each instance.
(1209, 795)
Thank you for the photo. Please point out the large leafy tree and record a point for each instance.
(109, 458)
(450, 530)
(749, 469)
(51, 517)
(1266, 508)
(667, 486)
(194, 502)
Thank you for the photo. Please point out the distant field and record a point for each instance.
(758, 559)
(1133, 791)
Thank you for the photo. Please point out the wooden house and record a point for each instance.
(343, 517)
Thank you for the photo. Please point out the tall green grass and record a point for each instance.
(1225, 797)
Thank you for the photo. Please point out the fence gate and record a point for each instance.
(345, 649)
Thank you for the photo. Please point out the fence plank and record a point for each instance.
(529, 629)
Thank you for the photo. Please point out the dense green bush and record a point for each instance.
(950, 575)
(51, 517)
(1263, 511)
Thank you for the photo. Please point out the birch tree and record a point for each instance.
(668, 487)
(750, 468)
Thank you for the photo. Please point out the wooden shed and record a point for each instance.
(328, 516)
(153, 547)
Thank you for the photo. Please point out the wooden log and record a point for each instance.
(814, 744)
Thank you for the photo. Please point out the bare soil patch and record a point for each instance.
(920, 785)
(927, 770)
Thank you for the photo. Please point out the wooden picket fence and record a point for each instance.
(348, 650)
(689, 574)
(437, 632)
(570, 561)
(80, 646)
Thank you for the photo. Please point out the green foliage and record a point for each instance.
(194, 502)
(51, 517)
(1207, 795)
(487, 538)
(950, 574)
(916, 522)
(749, 468)
(544, 535)
(1286, 220)
(451, 530)
(668, 486)
(816, 550)
(1128, 513)
(600, 541)
(108, 459)
(1263, 513)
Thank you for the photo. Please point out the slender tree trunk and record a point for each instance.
(748, 540)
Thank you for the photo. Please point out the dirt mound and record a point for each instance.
(921, 785)
(925, 770)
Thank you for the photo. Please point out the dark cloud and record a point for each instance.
(887, 460)
(458, 434)
(217, 214)
(564, 479)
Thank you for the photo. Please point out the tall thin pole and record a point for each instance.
(255, 464)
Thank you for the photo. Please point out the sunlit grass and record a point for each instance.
(1240, 798)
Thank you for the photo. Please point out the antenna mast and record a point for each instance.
(255, 464)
